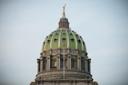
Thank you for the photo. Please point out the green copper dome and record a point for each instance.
(63, 56)
(64, 39)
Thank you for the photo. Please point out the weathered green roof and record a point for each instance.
(63, 39)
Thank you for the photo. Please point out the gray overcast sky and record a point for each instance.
(24, 24)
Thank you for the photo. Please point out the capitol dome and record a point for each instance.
(63, 55)
(64, 38)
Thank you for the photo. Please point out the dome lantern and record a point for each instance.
(63, 23)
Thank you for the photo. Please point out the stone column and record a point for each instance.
(86, 65)
(89, 62)
(38, 63)
(58, 62)
(79, 63)
(48, 63)
(69, 62)
(64, 62)
(41, 65)
(64, 66)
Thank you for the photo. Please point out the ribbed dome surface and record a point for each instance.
(64, 39)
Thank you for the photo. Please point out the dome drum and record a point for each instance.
(63, 60)
(68, 74)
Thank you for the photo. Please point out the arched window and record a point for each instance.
(89, 66)
(61, 62)
(53, 63)
(72, 39)
(48, 41)
(83, 64)
(66, 64)
(44, 63)
(79, 40)
(74, 62)
(55, 40)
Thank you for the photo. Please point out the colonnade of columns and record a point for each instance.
(66, 63)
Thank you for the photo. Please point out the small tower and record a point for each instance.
(63, 23)
(64, 59)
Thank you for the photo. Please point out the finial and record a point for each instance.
(64, 10)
